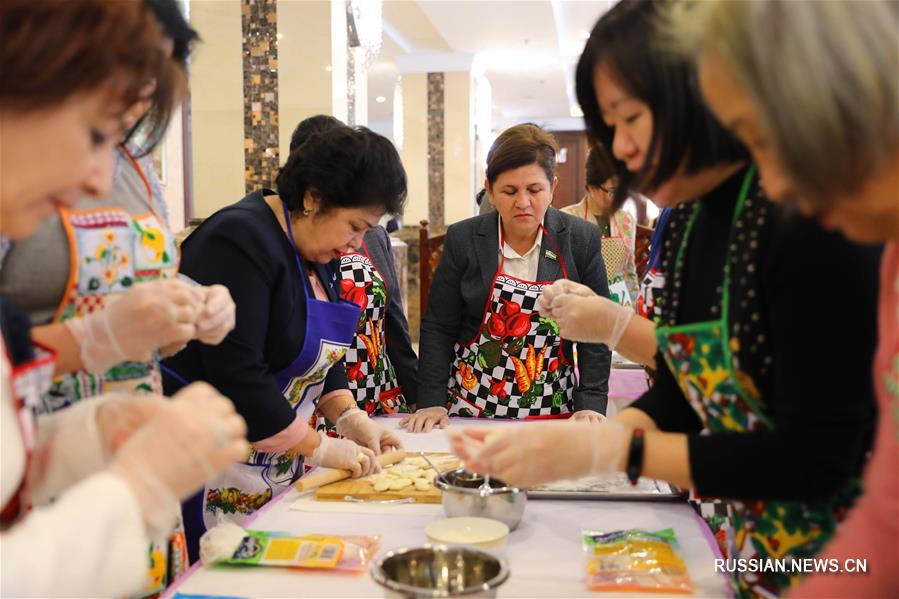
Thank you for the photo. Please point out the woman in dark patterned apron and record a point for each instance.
(382, 375)
(92, 254)
(278, 254)
(619, 228)
(737, 386)
(856, 196)
(486, 350)
(115, 467)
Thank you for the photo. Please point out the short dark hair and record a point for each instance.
(624, 41)
(519, 146)
(599, 167)
(313, 124)
(347, 168)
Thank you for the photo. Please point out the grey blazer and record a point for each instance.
(399, 345)
(462, 285)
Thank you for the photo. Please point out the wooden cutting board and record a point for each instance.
(363, 489)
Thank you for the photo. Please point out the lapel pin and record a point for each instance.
(550, 254)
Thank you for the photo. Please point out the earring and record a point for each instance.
(305, 212)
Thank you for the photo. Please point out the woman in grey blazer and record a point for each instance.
(485, 349)
(382, 375)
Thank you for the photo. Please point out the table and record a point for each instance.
(544, 552)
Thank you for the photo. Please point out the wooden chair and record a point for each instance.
(641, 248)
(430, 250)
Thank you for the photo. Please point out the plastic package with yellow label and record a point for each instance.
(635, 561)
(230, 544)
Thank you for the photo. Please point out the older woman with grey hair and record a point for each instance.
(811, 88)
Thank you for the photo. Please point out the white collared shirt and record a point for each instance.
(521, 266)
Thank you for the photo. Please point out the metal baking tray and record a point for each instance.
(609, 488)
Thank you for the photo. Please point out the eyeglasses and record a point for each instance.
(608, 190)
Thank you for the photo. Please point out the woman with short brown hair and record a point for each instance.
(485, 349)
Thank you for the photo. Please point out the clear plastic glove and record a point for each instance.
(357, 426)
(554, 450)
(423, 420)
(346, 455)
(562, 287)
(218, 317)
(588, 416)
(191, 439)
(120, 417)
(593, 319)
(132, 325)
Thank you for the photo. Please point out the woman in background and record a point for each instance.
(486, 350)
(618, 229)
(829, 144)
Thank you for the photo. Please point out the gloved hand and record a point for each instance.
(424, 419)
(356, 425)
(554, 450)
(192, 438)
(346, 455)
(217, 320)
(562, 287)
(120, 417)
(130, 326)
(593, 319)
(588, 416)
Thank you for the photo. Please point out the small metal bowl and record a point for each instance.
(440, 571)
(463, 497)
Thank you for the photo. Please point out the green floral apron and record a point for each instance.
(701, 358)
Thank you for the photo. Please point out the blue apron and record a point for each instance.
(330, 329)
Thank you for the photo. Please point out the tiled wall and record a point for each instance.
(260, 92)
(435, 149)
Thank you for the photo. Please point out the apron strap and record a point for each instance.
(307, 284)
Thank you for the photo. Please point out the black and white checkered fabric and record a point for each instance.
(479, 401)
(360, 269)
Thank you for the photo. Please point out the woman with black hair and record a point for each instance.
(750, 400)
(278, 254)
(618, 229)
(382, 368)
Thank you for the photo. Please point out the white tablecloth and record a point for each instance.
(544, 552)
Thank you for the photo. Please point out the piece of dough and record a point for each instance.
(381, 485)
(399, 484)
(422, 484)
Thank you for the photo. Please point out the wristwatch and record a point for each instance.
(635, 456)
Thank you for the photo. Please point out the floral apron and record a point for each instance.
(246, 487)
(515, 366)
(700, 356)
(29, 380)
(371, 376)
(110, 250)
(615, 253)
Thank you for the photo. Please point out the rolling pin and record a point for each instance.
(332, 476)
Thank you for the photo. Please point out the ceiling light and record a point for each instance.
(280, 36)
(380, 99)
(328, 68)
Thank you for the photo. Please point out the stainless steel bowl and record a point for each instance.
(440, 571)
(463, 497)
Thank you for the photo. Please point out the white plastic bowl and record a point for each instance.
(481, 532)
